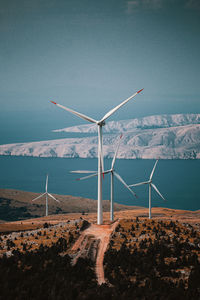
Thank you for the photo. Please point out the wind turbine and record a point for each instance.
(149, 182)
(47, 194)
(112, 174)
(100, 124)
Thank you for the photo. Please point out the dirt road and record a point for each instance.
(102, 234)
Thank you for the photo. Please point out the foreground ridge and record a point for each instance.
(133, 258)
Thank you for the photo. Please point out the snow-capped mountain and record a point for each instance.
(162, 136)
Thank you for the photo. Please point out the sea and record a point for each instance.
(177, 180)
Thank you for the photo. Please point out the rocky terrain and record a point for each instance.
(150, 122)
(153, 137)
(132, 258)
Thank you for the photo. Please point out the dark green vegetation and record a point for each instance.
(145, 260)
(156, 260)
(9, 212)
(45, 274)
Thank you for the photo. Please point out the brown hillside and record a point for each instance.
(18, 205)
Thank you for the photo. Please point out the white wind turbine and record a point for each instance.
(149, 182)
(100, 124)
(112, 174)
(47, 194)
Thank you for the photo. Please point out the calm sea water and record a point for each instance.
(177, 180)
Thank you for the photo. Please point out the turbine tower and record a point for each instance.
(149, 182)
(100, 124)
(47, 194)
(112, 174)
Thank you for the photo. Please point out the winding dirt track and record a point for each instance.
(101, 233)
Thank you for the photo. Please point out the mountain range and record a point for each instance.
(154, 137)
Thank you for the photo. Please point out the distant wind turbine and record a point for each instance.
(100, 124)
(149, 182)
(47, 194)
(112, 174)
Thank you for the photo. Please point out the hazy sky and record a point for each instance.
(90, 55)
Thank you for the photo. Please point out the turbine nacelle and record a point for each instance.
(101, 123)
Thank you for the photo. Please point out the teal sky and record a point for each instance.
(90, 55)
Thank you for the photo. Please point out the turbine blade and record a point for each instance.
(102, 164)
(155, 188)
(153, 170)
(93, 175)
(83, 171)
(102, 161)
(124, 183)
(39, 197)
(46, 183)
(116, 151)
(140, 183)
(107, 171)
(75, 113)
(101, 149)
(118, 106)
(53, 197)
(86, 177)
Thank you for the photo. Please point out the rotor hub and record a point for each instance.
(101, 123)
